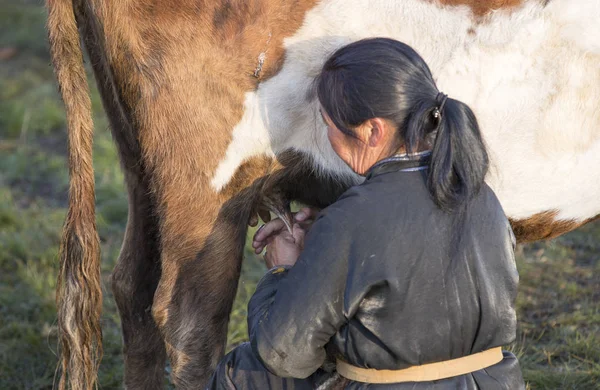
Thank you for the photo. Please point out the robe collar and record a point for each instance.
(401, 162)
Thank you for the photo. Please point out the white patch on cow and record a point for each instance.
(249, 138)
(532, 77)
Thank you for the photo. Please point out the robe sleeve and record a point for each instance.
(295, 311)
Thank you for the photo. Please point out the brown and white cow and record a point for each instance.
(212, 110)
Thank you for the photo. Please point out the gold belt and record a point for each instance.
(425, 372)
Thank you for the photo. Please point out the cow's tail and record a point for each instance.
(79, 293)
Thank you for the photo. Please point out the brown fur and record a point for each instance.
(543, 226)
(172, 123)
(172, 76)
(483, 7)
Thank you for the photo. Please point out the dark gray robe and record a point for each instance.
(386, 280)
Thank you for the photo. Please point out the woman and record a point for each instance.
(408, 279)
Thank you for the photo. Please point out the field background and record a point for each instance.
(558, 340)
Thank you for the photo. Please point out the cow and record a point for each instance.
(213, 111)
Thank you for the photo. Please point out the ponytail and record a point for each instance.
(459, 161)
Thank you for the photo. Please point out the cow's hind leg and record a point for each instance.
(202, 238)
(136, 275)
(193, 310)
(134, 283)
(137, 272)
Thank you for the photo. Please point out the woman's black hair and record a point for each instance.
(384, 78)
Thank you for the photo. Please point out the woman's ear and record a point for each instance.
(373, 132)
(377, 132)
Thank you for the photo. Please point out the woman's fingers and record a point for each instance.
(267, 230)
(282, 248)
(305, 217)
(306, 213)
(283, 235)
(261, 246)
(265, 234)
(298, 234)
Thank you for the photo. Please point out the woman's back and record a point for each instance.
(413, 267)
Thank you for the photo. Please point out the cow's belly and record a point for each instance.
(532, 78)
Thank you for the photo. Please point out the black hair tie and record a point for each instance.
(440, 101)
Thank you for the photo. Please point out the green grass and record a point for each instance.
(559, 315)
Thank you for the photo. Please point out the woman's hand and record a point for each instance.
(306, 216)
(283, 248)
